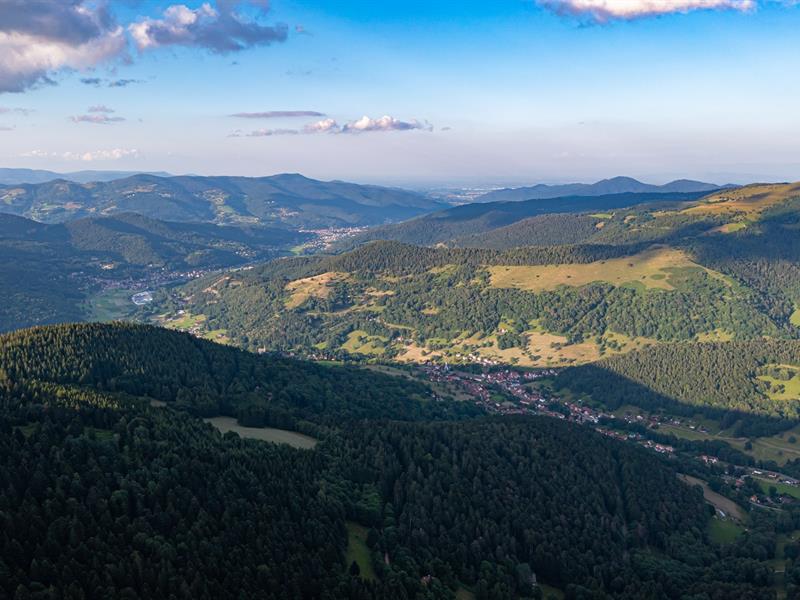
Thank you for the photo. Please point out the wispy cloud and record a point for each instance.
(88, 156)
(607, 10)
(6, 128)
(276, 114)
(4, 110)
(97, 119)
(220, 30)
(100, 108)
(112, 83)
(39, 38)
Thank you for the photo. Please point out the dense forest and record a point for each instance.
(730, 376)
(141, 499)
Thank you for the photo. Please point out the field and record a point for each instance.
(718, 501)
(265, 434)
(781, 488)
(795, 318)
(723, 531)
(783, 389)
(311, 287)
(358, 551)
(110, 305)
(358, 342)
(650, 268)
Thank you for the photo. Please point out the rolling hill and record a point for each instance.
(286, 200)
(18, 176)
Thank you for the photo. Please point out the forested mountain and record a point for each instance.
(614, 185)
(138, 498)
(477, 218)
(719, 269)
(288, 200)
(47, 270)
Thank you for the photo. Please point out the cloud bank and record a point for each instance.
(607, 10)
(41, 37)
(90, 156)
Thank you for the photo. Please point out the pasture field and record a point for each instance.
(650, 268)
(723, 531)
(783, 389)
(359, 342)
(317, 286)
(358, 551)
(265, 434)
(795, 318)
(110, 305)
(185, 322)
(782, 488)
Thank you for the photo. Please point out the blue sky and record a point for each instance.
(476, 93)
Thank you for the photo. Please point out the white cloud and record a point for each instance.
(39, 38)
(323, 126)
(220, 29)
(385, 123)
(605, 10)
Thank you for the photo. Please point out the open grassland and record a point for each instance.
(749, 200)
(185, 322)
(318, 286)
(795, 318)
(358, 551)
(724, 531)
(783, 389)
(265, 434)
(650, 268)
(359, 342)
(718, 335)
(781, 488)
(110, 305)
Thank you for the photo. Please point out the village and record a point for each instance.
(517, 397)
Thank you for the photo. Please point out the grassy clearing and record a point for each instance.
(783, 389)
(359, 342)
(602, 215)
(318, 286)
(217, 335)
(463, 593)
(781, 488)
(110, 305)
(795, 318)
(718, 335)
(358, 551)
(265, 434)
(723, 531)
(649, 268)
(185, 322)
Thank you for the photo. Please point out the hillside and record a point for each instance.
(614, 185)
(139, 498)
(640, 277)
(479, 218)
(48, 271)
(287, 200)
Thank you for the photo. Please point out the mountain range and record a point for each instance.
(614, 185)
(288, 200)
(18, 176)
